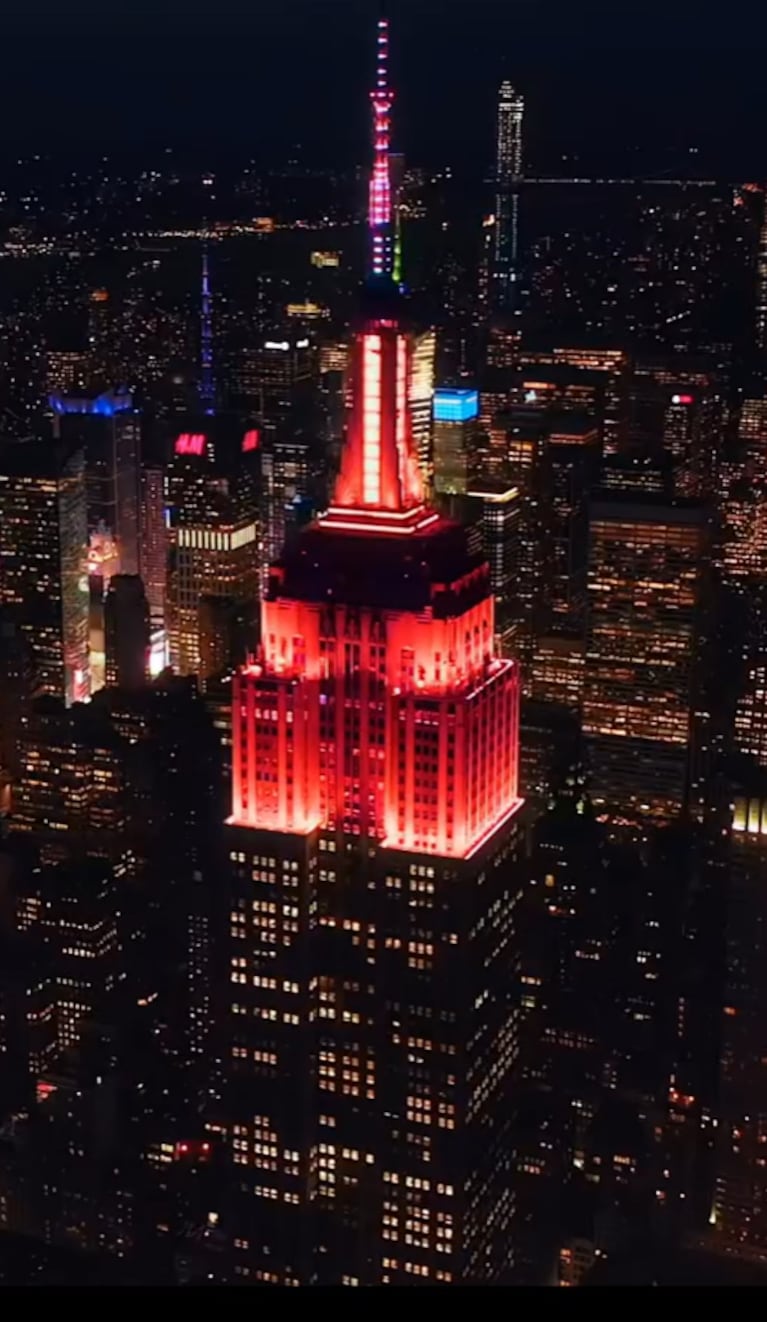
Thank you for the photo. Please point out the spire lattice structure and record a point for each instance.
(380, 218)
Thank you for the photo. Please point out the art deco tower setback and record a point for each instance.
(374, 831)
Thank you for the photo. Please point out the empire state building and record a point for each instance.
(374, 845)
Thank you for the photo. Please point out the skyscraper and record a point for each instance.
(740, 1216)
(153, 558)
(508, 171)
(457, 457)
(421, 392)
(290, 476)
(108, 429)
(375, 825)
(276, 378)
(43, 560)
(647, 568)
(212, 490)
(499, 510)
(207, 390)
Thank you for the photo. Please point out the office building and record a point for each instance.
(676, 408)
(740, 1213)
(743, 498)
(70, 798)
(527, 465)
(222, 642)
(609, 369)
(100, 329)
(291, 483)
(574, 455)
(374, 755)
(108, 430)
(43, 560)
(127, 632)
(497, 509)
(275, 381)
(212, 493)
(421, 395)
(74, 908)
(644, 661)
(761, 282)
(457, 453)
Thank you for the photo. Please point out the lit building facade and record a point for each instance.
(457, 456)
(290, 477)
(153, 556)
(108, 429)
(740, 1212)
(43, 549)
(70, 795)
(499, 511)
(743, 498)
(421, 395)
(212, 493)
(611, 367)
(374, 831)
(676, 409)
(127, 632)
(647, 569)
(275, 379)
(574, 454)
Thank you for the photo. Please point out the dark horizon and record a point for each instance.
(263, 79)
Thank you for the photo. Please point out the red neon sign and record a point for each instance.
(251, 441)
(190, 443)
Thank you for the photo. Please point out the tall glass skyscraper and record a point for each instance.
(508, 172)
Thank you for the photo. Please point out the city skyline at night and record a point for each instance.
(584, 80)
(383, 647)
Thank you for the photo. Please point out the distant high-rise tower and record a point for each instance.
(109, 430)
(457, 456)
(153, 550)
(207, 384)
(761, 283)
(213, 533)
(508, 172)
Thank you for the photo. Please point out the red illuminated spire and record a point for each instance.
(380, 195)
(380, 482)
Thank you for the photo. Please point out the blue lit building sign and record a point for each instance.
(103, 406)
(455, 405)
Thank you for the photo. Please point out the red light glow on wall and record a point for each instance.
(251, 441)
(190, 443)
(430, 696)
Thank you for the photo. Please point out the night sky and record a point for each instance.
(261, 76)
